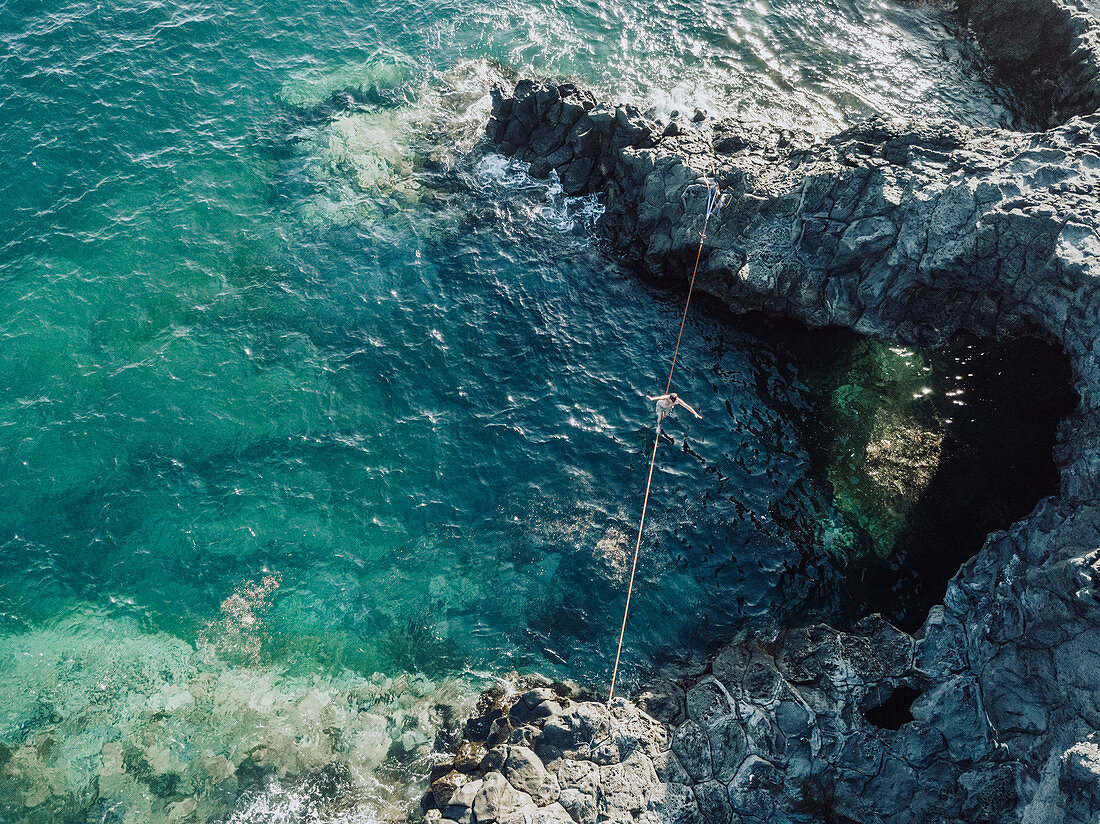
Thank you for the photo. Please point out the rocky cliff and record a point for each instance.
(1048, 49)
(914, 232)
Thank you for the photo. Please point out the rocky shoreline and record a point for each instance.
(912, 232)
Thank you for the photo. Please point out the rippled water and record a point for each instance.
(310, 427)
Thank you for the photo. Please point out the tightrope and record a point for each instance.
(712, 201)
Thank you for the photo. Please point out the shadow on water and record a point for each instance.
(921, 454)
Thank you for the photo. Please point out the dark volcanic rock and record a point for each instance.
(755, 747)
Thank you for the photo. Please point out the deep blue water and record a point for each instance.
(312, 424)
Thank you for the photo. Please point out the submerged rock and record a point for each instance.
(103, 721)
(366, 137)
(365, 83)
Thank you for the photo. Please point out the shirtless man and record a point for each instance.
(666, 403)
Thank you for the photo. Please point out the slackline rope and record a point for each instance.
(712, 201)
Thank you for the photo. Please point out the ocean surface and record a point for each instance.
(316, 419)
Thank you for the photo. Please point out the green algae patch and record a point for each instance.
(918, 455)
(883, 444)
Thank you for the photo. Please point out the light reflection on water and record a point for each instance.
(814, 66)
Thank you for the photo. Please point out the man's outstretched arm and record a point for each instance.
(688, 408)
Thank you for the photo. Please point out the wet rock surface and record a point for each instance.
(915, 232)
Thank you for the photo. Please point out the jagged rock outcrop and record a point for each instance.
(866, 229)
(769, 732)
(1049, 50)
(912, 232)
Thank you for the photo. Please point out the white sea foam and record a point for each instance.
(568, 214)
(369, 163)
(507, 172)
(557, 211)
(277, 804)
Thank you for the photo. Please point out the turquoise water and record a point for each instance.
(311, 425)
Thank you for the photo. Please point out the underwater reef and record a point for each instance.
(122, 725)
(910, 232)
